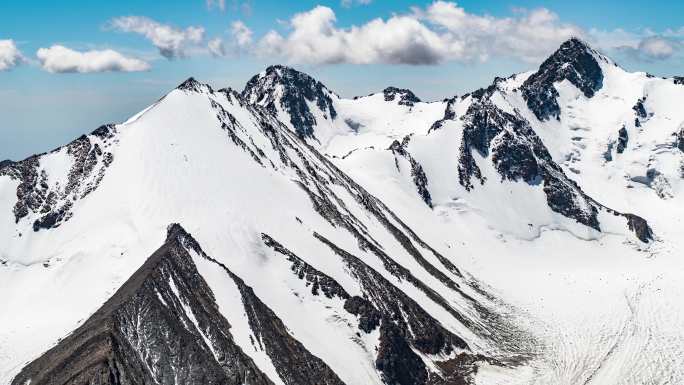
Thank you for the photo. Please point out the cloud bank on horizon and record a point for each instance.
(440, 32)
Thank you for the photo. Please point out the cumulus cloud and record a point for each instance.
(10, 56)
(216, 47)
(440, 32)
(241, 41)
(529, 35)
(241, 34)
(659, 48)
(60, 59)
(172, 42)
(645, 45)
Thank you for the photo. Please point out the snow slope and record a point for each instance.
(603, 303)
(236, 178)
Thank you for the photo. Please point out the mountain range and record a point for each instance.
(524, 233)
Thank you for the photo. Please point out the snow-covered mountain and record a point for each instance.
(528, 232)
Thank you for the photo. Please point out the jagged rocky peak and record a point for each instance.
(575, 62)
(406, 97)
(518, 154)
(191, 84)
(41, 198)
(165, 310)
(281, 88)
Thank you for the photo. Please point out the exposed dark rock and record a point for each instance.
(623, 139)
(608, 154)
(396, 360)
(573, 61)
(52, 203)
(417, 172)
(105, 131)
(519, 154)
(565, 197)
(515, 147)
(404, 324)
(406, 97)
(296, 88)
(680, 139)
(144, 334)
(449, 114)
(319, 282)
(354, 126)
(369, 316)
(5, 163)
(420, 329)
(679, 80)
(193, 85)
(640, 227)
(639, 109)
(293, 362)
(231, 125)
(458, 370)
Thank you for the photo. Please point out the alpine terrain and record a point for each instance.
(525, 233)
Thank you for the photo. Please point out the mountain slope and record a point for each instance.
(249, 189)
(557, 245)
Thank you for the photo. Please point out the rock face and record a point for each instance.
(679, 80)
(43, 198)
(406, 97)
(639, 108)
(284, 88)
(575, 62)
(417, 173)
(161, 327)
(404, 326)
(623, 139)
(518, 154)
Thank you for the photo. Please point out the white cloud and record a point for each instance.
(10, 56)
(441, 32)
(529, 35)
(60, 59)
(659, 48)
(216, 47)
(241, 41)
(172, 42)
(645, 45)
(241, 34)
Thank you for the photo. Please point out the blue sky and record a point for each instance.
(67, 67)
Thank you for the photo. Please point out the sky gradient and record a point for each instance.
(68, 67)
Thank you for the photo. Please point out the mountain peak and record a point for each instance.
(574, 43)
(190, 84)
(284, 89)
(574, 61)
(406, 96)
